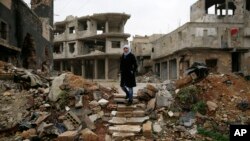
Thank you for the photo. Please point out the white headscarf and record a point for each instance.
(129, 49)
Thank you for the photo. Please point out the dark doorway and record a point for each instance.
(212, 65)
(89, 69)
(28, 54)
(235, 62)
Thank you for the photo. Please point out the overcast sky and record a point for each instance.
(147, 16)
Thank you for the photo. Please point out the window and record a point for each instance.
(3, 31)
(116, 44)
(72, 47)
(72, 30)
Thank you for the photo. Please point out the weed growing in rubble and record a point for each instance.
(188, 95)
(63, 99)
(200, 107)
(216, 136)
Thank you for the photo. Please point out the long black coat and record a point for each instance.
(128, 67)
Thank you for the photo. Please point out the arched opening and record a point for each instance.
(28, 54)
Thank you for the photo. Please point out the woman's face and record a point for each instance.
(125, 50)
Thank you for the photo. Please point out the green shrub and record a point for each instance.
(200, 107)
(188, 95)
(216, 136)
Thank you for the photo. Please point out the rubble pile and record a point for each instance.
(148, 78)
(68, 107)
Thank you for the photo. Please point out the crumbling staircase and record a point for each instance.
(126, 121)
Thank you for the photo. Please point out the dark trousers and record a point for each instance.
(129, 92)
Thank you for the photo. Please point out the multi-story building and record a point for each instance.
(142, 48)
(25, 34)
(90, 46)
(218, 35)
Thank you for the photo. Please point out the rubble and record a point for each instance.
(87, 110)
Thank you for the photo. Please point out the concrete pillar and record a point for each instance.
(106, 68)
(216, 9)
(61, 65)
(178, 67)
(83, 68)
(168, 69)
(226, 7)
(107, 27)
(71, 66)
(95, 69)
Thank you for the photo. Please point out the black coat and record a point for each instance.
(128, 68)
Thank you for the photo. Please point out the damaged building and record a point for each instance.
(142, 47)
(90, 46)
(218, 36)
(25, 33)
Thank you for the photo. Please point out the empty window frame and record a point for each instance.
(72, 30)
(3, 30)
(116, 44)
(72, 47)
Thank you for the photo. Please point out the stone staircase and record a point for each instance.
(126, 121)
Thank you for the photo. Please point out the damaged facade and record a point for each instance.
(25, 34)
(90, 46)
(142, 47)
(218, 35)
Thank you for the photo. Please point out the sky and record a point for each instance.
(147, 16)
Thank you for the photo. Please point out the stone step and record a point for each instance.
(136, 113)
(122, 100)
(124, 107)
(125, 128)
(118, 136)
(123, 96)
(131, 120)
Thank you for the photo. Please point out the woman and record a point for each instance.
(128, 68)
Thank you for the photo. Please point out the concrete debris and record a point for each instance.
(32, 112)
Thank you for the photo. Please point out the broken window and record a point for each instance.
(157, 69)
(3, 31)
(72, 30)
(58, 48)
(153, 49)
(212, 65)
(116, 44)
(248, 5)
(220, 7)
(173, 69)
(72, 47)
(82, 25)
(100, 28)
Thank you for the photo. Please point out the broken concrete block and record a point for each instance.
(152, 88)
(55, 90)
(93, 104)
(72, 119)
(93, 117)
(211, 106)
(28, 133)
(42, 117)
(157, 127)
(88, 135)
(97, 95)
(89, 123)
(150, 93)
(103, 102)
(151, 105)
(163, 99)
(170, 114)
(125, 128)
(68, 136)
(147, 129)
